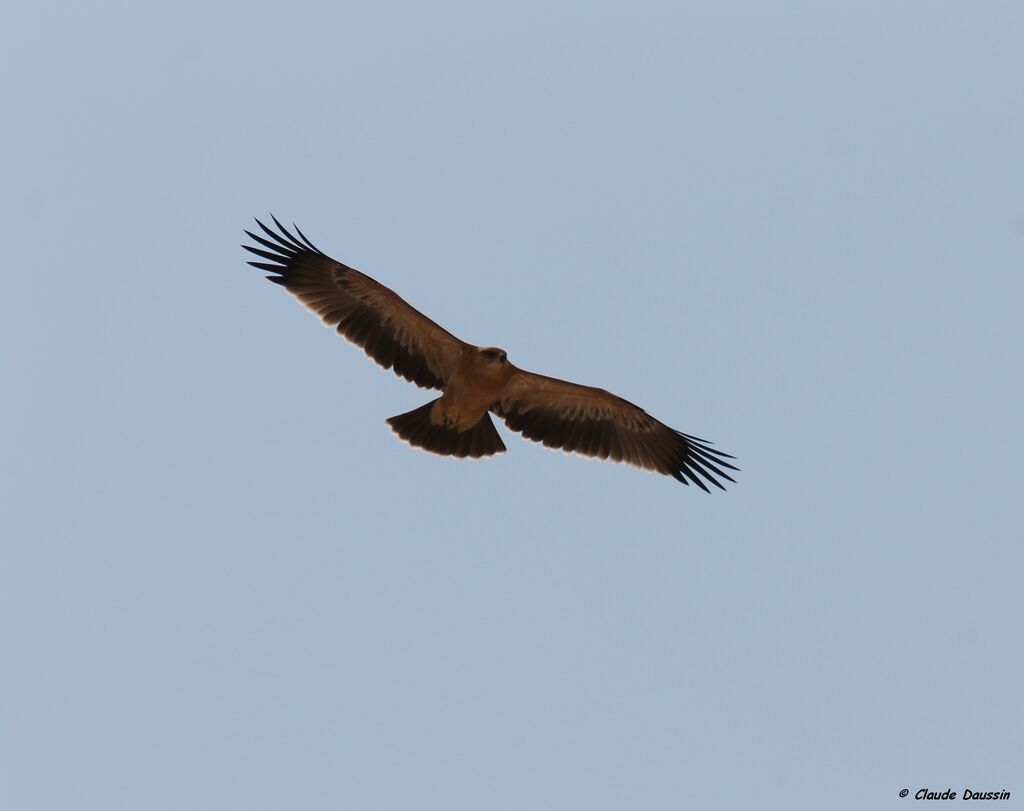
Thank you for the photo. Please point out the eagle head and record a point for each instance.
(494, 355)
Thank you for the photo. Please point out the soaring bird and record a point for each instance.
(475, 381)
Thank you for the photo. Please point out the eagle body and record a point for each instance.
(476, 382)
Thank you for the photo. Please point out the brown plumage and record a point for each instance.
(476, 380)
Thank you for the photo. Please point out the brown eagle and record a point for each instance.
(476, 380)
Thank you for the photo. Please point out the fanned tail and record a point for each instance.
(416, 428)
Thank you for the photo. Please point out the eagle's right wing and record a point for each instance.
(367, 313)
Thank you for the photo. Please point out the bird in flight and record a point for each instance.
(475, 381)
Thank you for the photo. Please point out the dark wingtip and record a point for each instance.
(698, 463)
(298, 245)
(305, 239)
(282, 240)
(697, 481)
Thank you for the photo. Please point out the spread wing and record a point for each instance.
(594, 422)
(364, 311)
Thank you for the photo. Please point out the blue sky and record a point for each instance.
(794, 229)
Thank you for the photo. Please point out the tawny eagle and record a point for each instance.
(475, 380)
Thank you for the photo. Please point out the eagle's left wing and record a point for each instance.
(594, 422)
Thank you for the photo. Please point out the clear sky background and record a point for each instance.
(795, 229)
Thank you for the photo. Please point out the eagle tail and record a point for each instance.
(416, 428)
